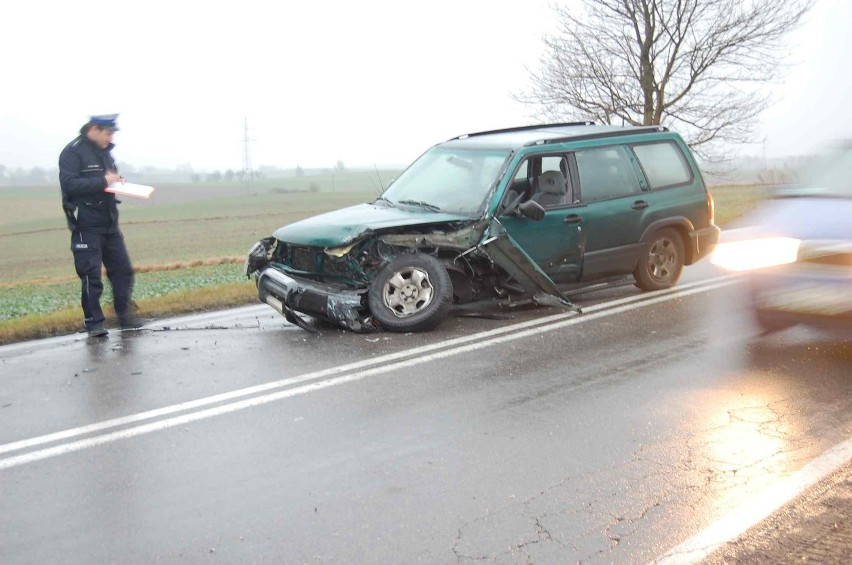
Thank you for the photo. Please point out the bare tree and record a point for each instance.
(694, 65)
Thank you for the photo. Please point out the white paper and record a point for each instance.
(130, 189)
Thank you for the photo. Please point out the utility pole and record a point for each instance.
(248, 173)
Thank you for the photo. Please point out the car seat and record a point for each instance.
(550, 189)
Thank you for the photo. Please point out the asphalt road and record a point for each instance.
(528, 435)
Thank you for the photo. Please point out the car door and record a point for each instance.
(552, 242)
(612, 204)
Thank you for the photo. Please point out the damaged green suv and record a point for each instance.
(523, 213)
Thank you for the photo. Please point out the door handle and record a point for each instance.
(572, 219)
(640, 204)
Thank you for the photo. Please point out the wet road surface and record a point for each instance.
(544, 437)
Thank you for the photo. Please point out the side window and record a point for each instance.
(523, 171)
(552, 163)
(605, 172)
(544, 179)
(521, 185)
(552, 187)
(663, 163)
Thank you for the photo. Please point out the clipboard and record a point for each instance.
(131, 189)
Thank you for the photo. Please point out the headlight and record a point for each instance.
(756, 253)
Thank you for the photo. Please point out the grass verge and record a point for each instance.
(735, 201)
(69, 320)
(51, 307)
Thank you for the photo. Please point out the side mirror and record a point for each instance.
(532, 210)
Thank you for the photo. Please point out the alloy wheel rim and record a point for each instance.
(408, 292)
(662, 259)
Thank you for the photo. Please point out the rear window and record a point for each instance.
(663, 163)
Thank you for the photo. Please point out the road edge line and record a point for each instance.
(735, 523)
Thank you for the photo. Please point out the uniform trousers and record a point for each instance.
(93, 251)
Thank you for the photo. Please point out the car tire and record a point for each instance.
(767, 320)
(661, 262)
(769, 323)
(412, 293)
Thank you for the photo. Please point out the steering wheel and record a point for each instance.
(512, 207)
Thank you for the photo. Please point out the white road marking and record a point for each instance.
(417, 356)
(249, 391)
(735, 523)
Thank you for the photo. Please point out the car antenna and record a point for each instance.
(382, 186)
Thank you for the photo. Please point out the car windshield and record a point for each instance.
(830, 174)
(448, 180)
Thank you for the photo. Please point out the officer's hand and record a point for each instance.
(112, 177)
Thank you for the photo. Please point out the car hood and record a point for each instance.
(806, 217)
(342, 227)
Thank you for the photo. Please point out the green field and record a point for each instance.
(188, 237)
(180, 223)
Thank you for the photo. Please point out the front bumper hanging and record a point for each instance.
(291, 295)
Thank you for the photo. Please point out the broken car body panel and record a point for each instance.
(503, 250)
(291, 295)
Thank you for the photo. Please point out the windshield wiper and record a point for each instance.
(431, 207)
(383, 199)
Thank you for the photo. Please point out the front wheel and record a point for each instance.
(661, 262)
(767, 320)
(412, 293)
(769, 323)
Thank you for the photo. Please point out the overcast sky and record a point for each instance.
(375, 81)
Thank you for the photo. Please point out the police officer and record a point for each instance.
(86, 169)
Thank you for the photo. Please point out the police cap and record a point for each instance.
(105, 121)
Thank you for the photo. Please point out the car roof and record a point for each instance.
(515, 138)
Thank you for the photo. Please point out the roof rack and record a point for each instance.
(611, 133)
(522, 128)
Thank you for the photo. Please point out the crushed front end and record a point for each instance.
(329, 284)
(333, 283)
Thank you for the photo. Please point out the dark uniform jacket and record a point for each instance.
(82, 167)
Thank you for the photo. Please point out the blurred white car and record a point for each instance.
(797, 251)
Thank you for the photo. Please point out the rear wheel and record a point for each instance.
(412, 293)
(661, 262)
